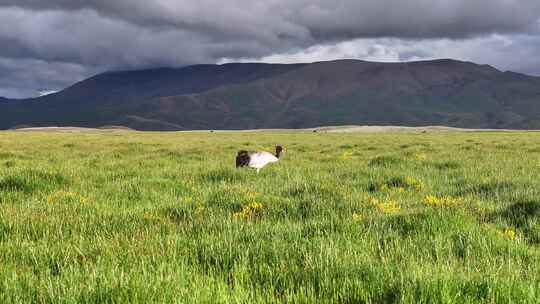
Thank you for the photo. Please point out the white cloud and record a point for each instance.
(516, 53)
(47, 92)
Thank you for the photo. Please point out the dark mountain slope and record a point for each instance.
(129, 85)
(240, 96)
(106, 97)
(354, 92)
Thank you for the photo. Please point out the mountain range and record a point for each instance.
(257, 95)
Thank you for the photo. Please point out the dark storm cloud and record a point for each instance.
(317, 19)
(28, 77)
(98, 35)
(421, 18)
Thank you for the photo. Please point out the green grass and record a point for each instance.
(118, 217)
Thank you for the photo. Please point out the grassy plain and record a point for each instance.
(118, 217)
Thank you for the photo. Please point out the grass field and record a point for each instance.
(126, 217)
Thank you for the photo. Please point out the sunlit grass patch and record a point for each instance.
(170, 219)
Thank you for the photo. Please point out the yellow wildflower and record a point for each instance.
(199, 212)
(357, 217)
(66, 197)
(389, 207)
(510, 233)
(250, 211)
(373, 201)
(346, 155)
(442, 201)
(420, 156)
(414, 183)
(150, 217)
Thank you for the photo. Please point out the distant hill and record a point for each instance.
(248, 96)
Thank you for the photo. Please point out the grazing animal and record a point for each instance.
(257, 160)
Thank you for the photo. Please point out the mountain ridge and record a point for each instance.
(257, 95)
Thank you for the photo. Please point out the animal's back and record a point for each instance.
(261, 159)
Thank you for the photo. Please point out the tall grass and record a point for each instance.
(117, 217)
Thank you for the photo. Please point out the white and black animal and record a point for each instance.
(257, 160)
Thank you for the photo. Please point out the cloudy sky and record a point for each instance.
(48, 45)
